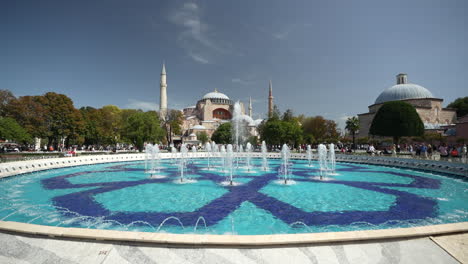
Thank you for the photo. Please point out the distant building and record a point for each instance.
(212, 110)
(429, 108)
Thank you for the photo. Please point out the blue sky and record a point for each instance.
(330, 58)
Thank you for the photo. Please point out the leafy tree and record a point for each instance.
(397, 119)
(173, 124)
(253, 140)
(223, 134)
(11, 130)
(320, 129)
(460, 105)
(288, 116)
(5, 98)
(352, 125)
(273, 132)
(276, 113)
(62, 119)
(92, 119)
(111, 124)
(29, 112)
(141, 127)
(202, 137)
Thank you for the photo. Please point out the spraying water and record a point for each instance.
(248, 149)
(322, 152)
(151, 159)
(182, 161)
(223, 157)
(264, 156)
(285, 156)
(229, 161)
(208, 152)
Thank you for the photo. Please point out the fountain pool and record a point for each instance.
(120, 196)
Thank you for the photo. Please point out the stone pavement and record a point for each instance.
(28, 249)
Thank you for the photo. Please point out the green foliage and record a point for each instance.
(11, 130)
(460, 105)
(362, 140)
(286, 131)
(202, 137)
(141, 127)
(30, 114)
(318, 130)
(352, 125)
(5, 98)
(62, 119)
(111, 124)
(175, 121)
(273, 132)
(397, 119)
(253, 140)
(223, 134)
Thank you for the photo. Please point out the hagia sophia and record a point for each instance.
(216, 108)
(212, 110)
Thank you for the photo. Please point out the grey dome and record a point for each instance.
(215, 95)
(403, 92)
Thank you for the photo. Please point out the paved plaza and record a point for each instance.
(27, 249)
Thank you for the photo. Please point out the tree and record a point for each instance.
(30, 114)
(288, 115)
(202, 137)
(223, 134)
(92, 119)
(173, 124)
(352, 125)
(111, 124)
(141, 127)
(460, 105)
(11, 130)
(5, 98)
(319, 129)
(272, 132)
(397, 119)
(62, 119)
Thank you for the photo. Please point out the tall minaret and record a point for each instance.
(250, 106)
(163, 95)
(270, 101)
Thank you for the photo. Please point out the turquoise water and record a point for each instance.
(121, 196)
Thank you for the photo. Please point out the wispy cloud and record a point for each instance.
(240, 81)
(194, 36)
(198, 58)
(143, 105)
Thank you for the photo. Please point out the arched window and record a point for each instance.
(221, 113)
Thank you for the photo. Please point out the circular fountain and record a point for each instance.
(272, 194)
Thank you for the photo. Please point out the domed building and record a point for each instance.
(213, 109)
(429, 108)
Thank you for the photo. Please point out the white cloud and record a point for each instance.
(195, 36)
(198, 58)
(143, 105)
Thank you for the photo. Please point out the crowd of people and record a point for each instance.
(423, 150)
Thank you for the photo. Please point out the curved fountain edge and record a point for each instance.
(21, 167)
(233, 240)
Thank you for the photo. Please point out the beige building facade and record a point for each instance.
(429, 108)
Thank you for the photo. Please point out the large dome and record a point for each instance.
(215, 95)
(402, 92)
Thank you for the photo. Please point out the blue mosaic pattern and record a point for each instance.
(407, 206)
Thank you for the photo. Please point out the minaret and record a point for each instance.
(250, 106)
(270, 101)
(163, 95)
